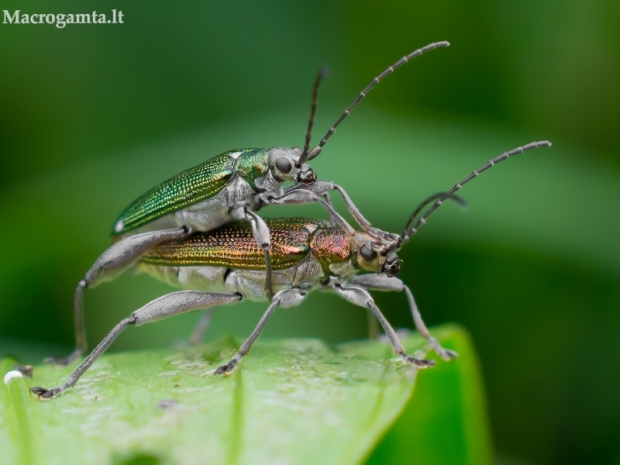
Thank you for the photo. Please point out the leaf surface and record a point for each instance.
(293, 401)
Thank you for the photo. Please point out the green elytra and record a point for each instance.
(192, 186)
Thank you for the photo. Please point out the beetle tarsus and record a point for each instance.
(226, 369)
(25, 370)
(418, 363)
(446, 354)
(64, 361)
(44, 394)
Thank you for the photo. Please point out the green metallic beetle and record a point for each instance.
(226, 265)
(230, 186)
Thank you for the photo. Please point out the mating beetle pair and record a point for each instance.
(181, 232)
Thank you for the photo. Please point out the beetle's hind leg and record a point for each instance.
(108, 266)
(80, 331)
(163, 307)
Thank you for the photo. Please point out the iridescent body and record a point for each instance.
(230, 186)
(192, 187)
(227, 259)
(232, 245)
(222, 267)
(230, 177)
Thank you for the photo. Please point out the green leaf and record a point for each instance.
(292, 401)
(445, 422)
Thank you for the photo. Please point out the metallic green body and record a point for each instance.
(232, 245)
(192, 186)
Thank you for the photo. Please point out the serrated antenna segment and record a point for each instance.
(315, 92)
(316, 150)
(474, 174)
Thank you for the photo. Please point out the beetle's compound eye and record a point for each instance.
(284, 165)
(306, 177)
(391, 267)
(368, 253)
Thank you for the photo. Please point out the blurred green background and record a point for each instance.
(91, 116)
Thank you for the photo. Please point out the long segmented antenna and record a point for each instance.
(407, 234)
(315, 92)
(439, 195)
(317, 150)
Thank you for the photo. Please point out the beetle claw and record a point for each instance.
(418, 363)
(226, 369)
(45, 394)
(61, 361)
(449, 354)
(64, 361)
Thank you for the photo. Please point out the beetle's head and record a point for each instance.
(375, 250)
(285, 165)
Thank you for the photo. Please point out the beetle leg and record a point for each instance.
(285, 298)
(108, 266)
(380, 282)
(261, 235)
(321, 188)
(332, 220)
(301, 196)
(199, 331)
(361, 297)
(373, 326)
(160, 308)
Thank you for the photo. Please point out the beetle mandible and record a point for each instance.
(225, 266)
(229, 186)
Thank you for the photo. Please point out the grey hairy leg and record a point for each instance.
(381, 282)
(108, 266)
(260, 233)
(332, 221)
(361, 297)
(160, 308)
(322, 188)
(198, 333)
(301, 196)
(285, 298)
(373, 326)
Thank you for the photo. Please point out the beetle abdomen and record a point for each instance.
(233, 245)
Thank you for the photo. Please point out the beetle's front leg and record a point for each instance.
(381, 282)
(160, 308)
(323, 188)
(359, 296)
(108, 266)
(260, 232)
(301, 196)
(332, 220)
